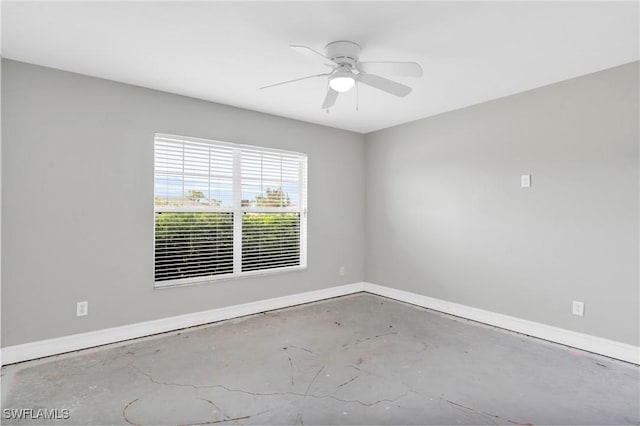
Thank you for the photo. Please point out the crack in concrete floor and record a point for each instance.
(306, 394)
(490, 416)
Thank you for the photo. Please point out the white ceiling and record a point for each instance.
(471, 52)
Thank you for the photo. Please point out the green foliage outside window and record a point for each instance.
(270, 240)
(190, 244)
(193, 244)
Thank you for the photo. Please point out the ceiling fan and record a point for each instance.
(347, 70)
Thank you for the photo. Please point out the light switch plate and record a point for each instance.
(578, 308)
(525, 181)
(82, 308)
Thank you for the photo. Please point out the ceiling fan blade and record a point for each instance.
(384, 84)
(330, 99)
(291, 81)
(407, 69)
(314, 54)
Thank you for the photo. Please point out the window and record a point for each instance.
(226, 210)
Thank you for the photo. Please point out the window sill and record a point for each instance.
(160, 285)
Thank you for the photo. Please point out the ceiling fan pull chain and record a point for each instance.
(328, 88)
(357, 96)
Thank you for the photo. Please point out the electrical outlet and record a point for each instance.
(341, 271)
(578, 308)
(82, 308)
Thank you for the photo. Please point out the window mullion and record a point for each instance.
(302, 201)
(237, 211)
(182, 180)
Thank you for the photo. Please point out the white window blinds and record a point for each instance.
(226, 210)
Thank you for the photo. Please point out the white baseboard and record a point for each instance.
(59, 345)
(43, 348)
(598, 345)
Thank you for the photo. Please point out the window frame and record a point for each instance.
(238, 211)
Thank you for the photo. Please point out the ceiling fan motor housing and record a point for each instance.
(345, 53)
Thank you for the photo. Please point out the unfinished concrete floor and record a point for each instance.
(358, 359)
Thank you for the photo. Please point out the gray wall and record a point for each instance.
(77, 197)
(446, 217)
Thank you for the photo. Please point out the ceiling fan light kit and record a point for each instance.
(342, 81)
(343, 57)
